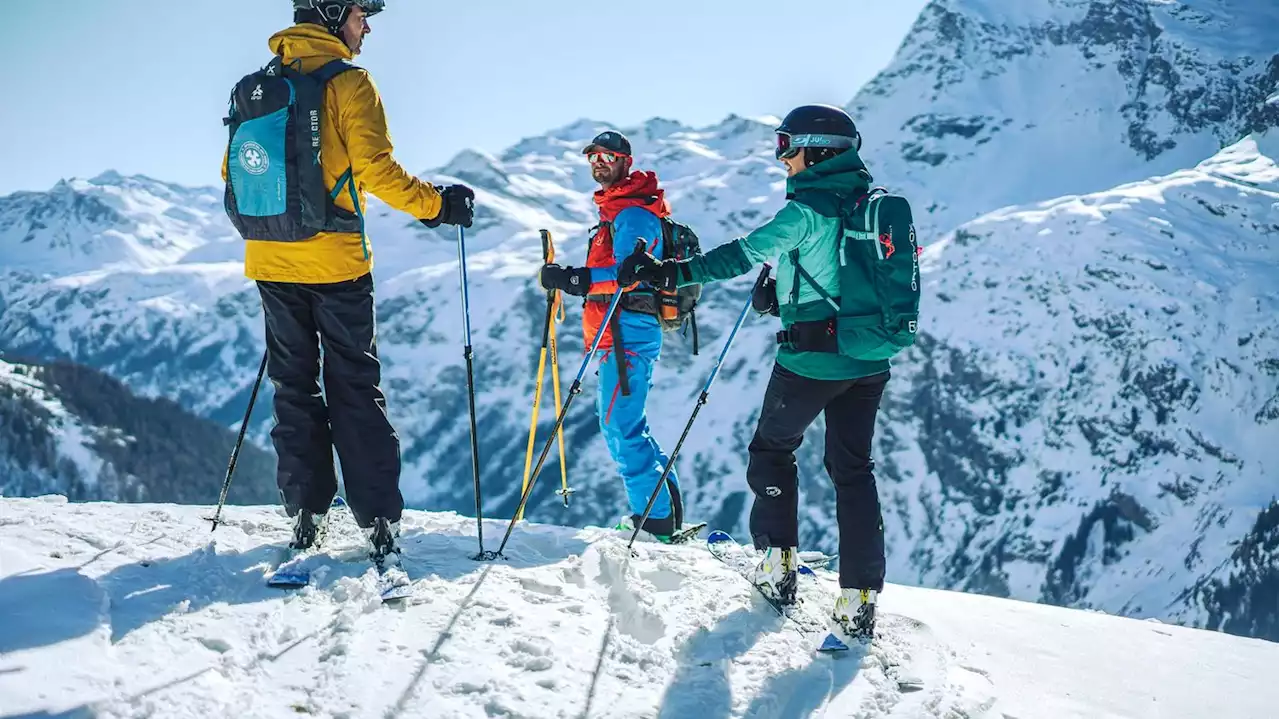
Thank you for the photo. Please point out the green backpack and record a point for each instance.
(878, 311)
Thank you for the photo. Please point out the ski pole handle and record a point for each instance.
(642, 248)
(548, 249)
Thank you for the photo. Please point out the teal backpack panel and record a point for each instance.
(256, 165)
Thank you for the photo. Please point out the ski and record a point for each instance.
(723, 547)
(394, 585)
(687, 534)
(286, 573)
(817, 560)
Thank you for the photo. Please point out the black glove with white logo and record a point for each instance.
(640, 266)
(764, 298)
(457, 207)
(573, 280)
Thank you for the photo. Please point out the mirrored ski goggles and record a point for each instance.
(604, 158)
(790, 145)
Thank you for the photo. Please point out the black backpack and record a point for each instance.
(275, 187)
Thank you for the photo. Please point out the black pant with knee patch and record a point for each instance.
(791, 404)
(350, 415)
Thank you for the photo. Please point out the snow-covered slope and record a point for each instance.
(118, 611)
(1146, 299)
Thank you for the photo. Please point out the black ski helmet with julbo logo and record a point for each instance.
(825, 128)
(333, 13)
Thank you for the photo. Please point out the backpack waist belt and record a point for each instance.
(641, 301)
(813, 336)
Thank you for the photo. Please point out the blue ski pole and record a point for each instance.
(471, 385)
(574, 390)
(702, 400)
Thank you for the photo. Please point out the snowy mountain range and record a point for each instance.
(73, 430)
(1089, 418)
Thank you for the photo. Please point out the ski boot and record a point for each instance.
(776, 574)
(309, 530)
(383, 550)
(855, 613)
(628, 524)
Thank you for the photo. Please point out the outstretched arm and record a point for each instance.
(781, 234)
(363, 126)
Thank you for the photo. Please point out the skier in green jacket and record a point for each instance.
(818, 144)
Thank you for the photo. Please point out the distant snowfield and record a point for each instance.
(137, 611)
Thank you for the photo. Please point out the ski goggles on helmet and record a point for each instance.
(606, 158)
(790, 145)
(336, 10)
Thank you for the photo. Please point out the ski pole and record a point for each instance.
(548, 256)
(471, 385)
(235, 452)
(558, 314)
(702, 400)
(574, 390)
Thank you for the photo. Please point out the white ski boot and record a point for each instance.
(855, 613)
(776, 574)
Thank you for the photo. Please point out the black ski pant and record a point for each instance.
(791, 403)
(351, 414)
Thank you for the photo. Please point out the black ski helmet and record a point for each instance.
(825, 128)
(333, 13)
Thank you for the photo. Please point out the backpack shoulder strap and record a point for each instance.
(865, 214)
(802, 273)
(331, 69)
(274, 68)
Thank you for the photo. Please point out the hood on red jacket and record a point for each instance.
(639, 189)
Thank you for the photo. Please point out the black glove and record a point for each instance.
(573, 280)
(764, 298)
(457, 206)
(640, 266)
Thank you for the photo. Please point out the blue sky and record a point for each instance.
(140, 86)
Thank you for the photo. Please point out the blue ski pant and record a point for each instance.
(625, 427)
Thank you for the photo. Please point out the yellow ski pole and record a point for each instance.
(548, 256)
(564, 490)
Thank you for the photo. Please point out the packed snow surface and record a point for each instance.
(138, 611)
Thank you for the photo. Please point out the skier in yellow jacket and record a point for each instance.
(318, 291)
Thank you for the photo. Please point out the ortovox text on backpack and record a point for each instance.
(275, 187)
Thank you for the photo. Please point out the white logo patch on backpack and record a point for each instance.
(254, 158)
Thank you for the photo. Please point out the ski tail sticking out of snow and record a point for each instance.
(286, 578)
(394, 584)
(687, 534)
